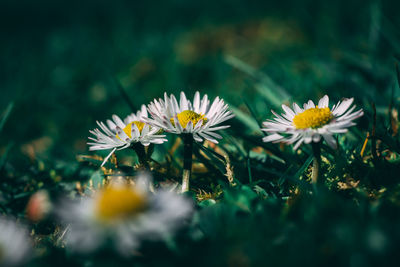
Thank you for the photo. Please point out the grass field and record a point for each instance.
(66, 65)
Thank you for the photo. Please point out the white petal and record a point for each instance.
(118, 121)
(135, 133)
(316, 138)
(342, 107)
(307, 138)
(108, 156)
(272, 137)
(183, 102)
(189, 127)
(143, 112)
(323, 102)
(197, 138)
(297, 145)
(111, 125)
(196, 102)
(204, 105)
(209, 138)
(297, 109)
(330, 140)
(122, 135)
(309, 104)
(289, 112)
(215, 135)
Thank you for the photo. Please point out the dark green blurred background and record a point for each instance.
(61, 61)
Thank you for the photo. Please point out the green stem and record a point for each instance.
(142, 156)
(187, 161)
(316, 147)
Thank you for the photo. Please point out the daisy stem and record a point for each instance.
(316, 147)
(187, 160)
(142, 156)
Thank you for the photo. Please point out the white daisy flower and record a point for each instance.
(199, 118)
(118, 134)
(15, 245)
(309, 123)
(123, 214)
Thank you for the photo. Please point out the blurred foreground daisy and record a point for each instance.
(131, 132)
(124, 215)
(310, 123)
(15, 245)
(198, 120)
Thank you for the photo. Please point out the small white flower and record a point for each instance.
(199, 118)
(118, 134)
(123, 214)
(310, 123)
(15, 245)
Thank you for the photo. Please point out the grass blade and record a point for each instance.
(271, 91)
(6, 115)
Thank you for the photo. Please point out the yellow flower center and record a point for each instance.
(119, 202)
(313, 118)
(128, 128)
(188, 115)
